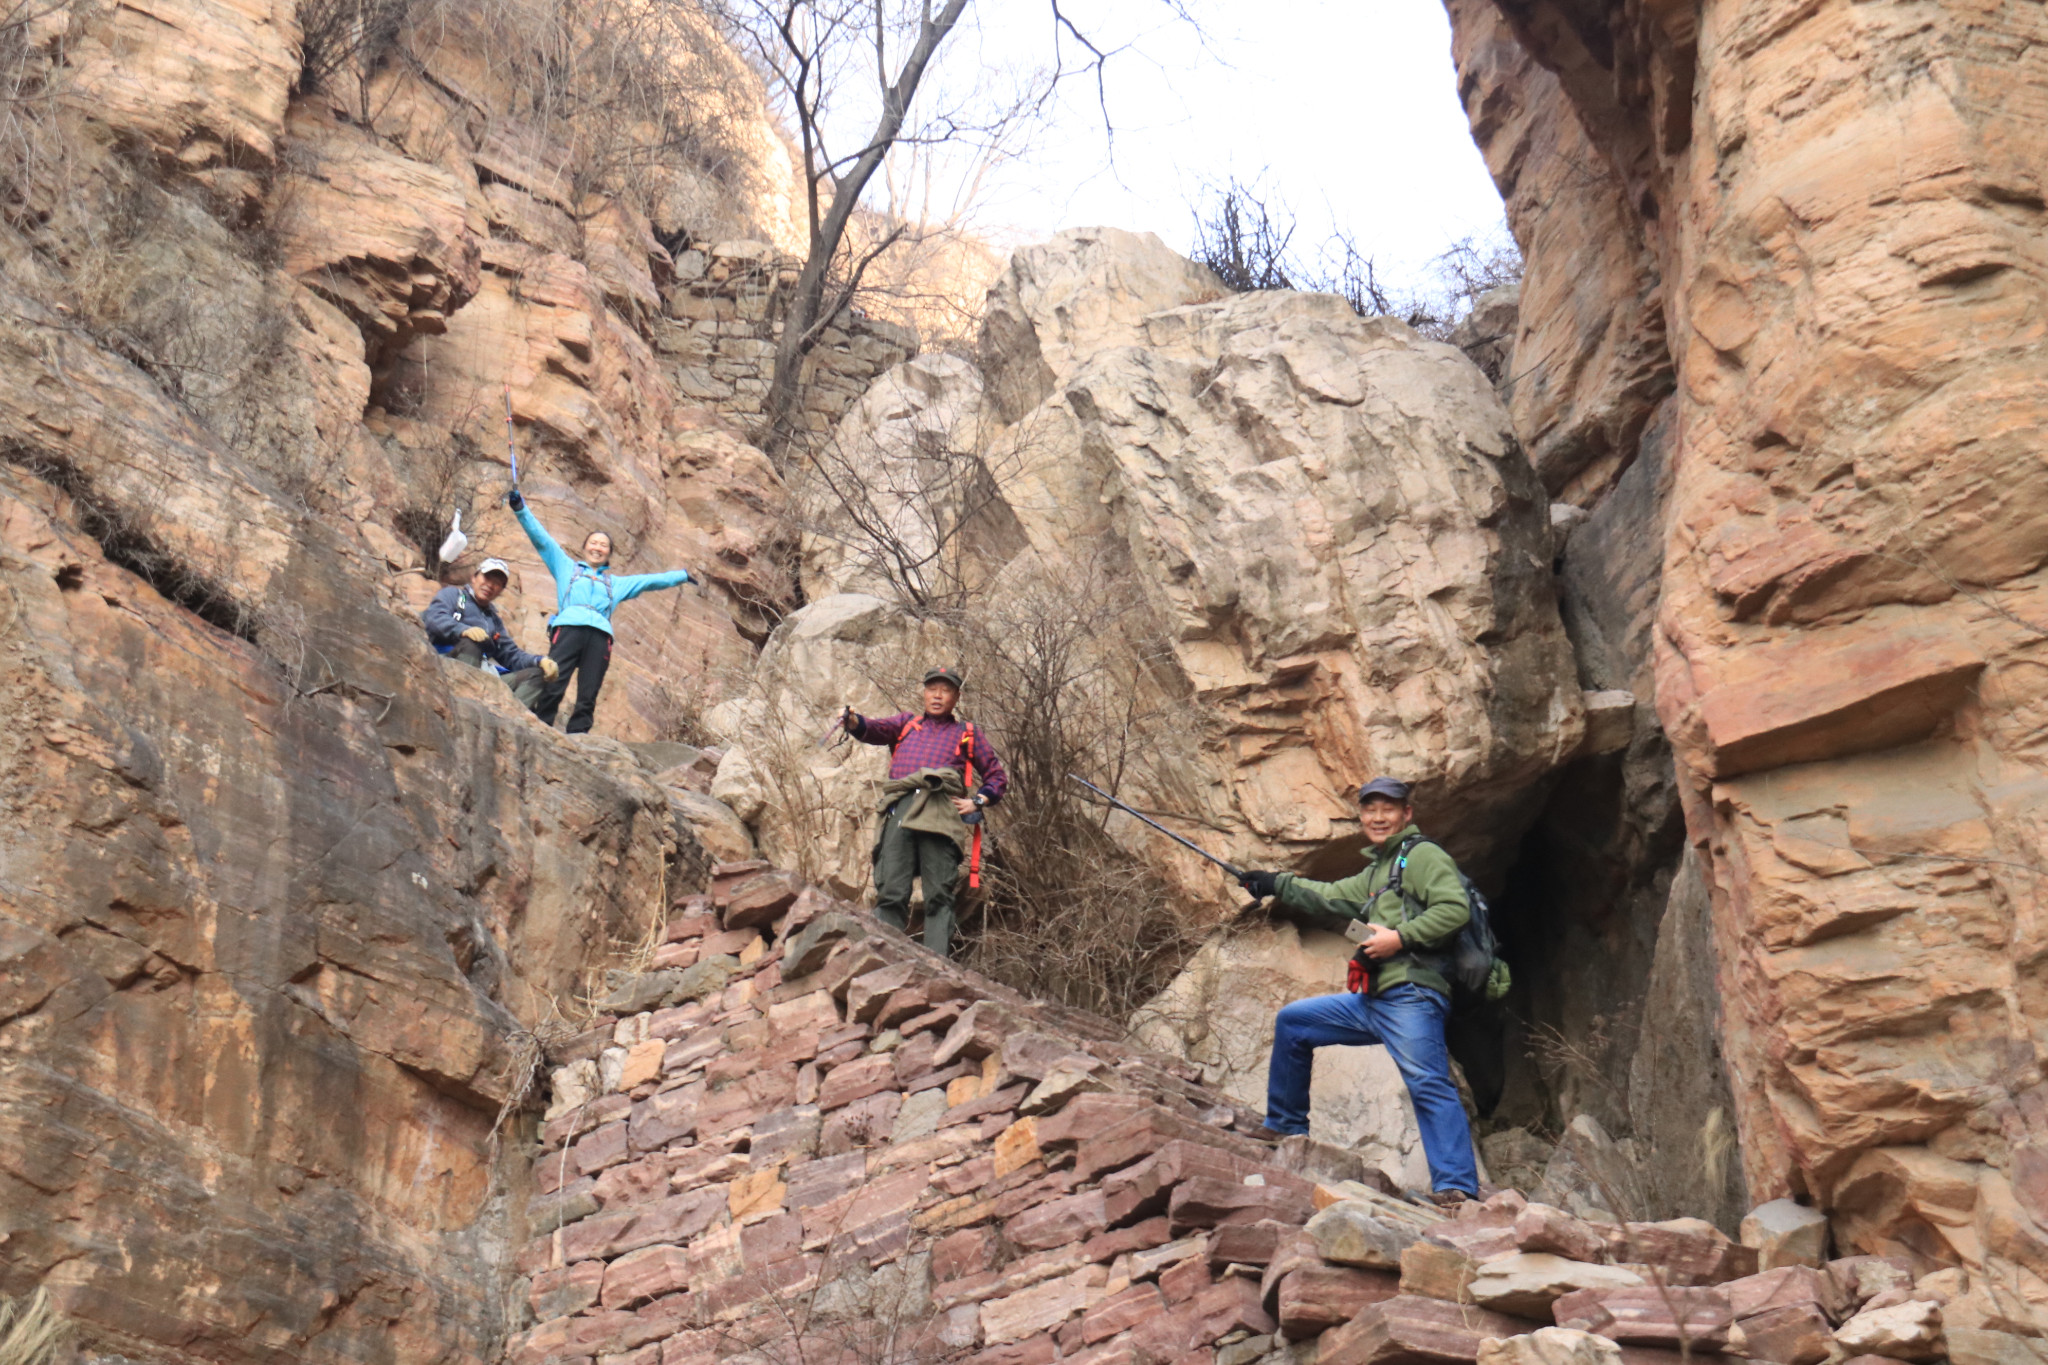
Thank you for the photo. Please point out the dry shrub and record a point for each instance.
(166, 271)
(907, 511)
(853, 1315)
(1245, 234)
(345, 37)
(676, 706)
(32, 151)
(1070, 677)
(932, 281)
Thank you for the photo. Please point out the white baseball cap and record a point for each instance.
(497, 566)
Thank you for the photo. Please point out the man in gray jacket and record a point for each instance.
(461, 622)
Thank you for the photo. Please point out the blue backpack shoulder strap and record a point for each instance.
(584, 570)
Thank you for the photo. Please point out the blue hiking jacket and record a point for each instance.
(585, 594)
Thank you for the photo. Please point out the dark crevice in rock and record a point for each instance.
(132, 547)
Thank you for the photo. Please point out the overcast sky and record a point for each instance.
(1348, 111)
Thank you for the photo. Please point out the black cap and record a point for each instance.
(944, 673)
(1384, 786)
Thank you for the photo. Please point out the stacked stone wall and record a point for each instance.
(802, 1137)
(723, 320)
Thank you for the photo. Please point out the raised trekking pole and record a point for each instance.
(1237, 874)
(511, 446)
(835, 731)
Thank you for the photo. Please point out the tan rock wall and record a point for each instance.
(1846, 221)
(285, 891)
(726, 310)
(287, 896)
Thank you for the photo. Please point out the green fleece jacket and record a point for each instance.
(1435, 911)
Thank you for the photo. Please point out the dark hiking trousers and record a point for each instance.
(903, 854)
(526, 683)
(587, 652)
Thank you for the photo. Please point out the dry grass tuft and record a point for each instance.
(32, 1332)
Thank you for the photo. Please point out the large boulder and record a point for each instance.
(1064, 301)
(1331, 525)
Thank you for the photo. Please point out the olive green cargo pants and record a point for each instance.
(903, 854)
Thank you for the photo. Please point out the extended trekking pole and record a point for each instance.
(511, 446)
(1236, 873)
(835, 731)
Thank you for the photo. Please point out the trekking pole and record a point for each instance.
(511, 447)
(835, 731)
(1237, 874)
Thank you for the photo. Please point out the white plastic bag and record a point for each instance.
(452, 548)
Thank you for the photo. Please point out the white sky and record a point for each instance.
(1350, 111)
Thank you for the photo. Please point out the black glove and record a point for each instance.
(850, 722)
(1262, 885)
(514, 501)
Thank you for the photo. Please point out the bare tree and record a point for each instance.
(810, 49)
(846, 74)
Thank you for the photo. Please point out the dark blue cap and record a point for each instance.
(1384, 786)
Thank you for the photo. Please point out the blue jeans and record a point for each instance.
(1409, 1020)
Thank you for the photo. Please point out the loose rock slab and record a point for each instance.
(1655, 1315)
(1354, 1233)
(1529, 1282)
(1411, 1331)
(1904, 1331)
(1550, 1346)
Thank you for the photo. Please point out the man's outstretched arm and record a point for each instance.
(884, 730)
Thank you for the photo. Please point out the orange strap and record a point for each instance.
(974, 857)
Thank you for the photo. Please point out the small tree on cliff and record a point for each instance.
(846, 74)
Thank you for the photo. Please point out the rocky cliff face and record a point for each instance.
(287, 895)
(289, 899)
(1746, 728)
(1830, 216)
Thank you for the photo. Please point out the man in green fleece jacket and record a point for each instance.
(1405, 996)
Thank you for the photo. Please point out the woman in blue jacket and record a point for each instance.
(580, 631)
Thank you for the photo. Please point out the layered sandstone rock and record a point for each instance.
(291, 898)
(1850, 602)
(1589, 359)
(289, 890)
(349, 275)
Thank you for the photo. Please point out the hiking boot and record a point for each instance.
(1450, 1201)
(1266, 1134)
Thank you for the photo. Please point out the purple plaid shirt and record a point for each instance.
(934, 744)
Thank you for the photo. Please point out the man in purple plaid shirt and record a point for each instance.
(924, 834)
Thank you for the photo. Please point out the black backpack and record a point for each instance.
(1473, 961)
